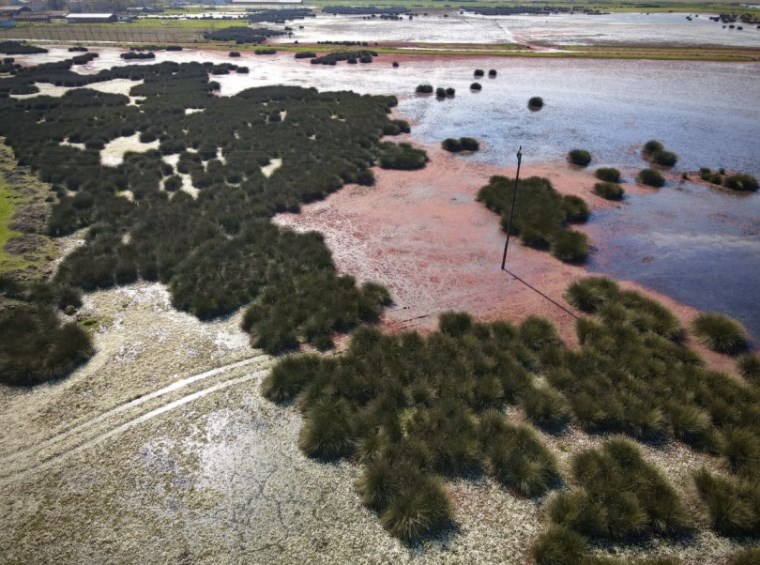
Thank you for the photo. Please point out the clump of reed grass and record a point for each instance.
(579, 157)
(591, 293)
(749, 367)
(559, 545)
(749, 556)
(609, 190)
(720, 333)
(546, 408)
(733, 505)
(651, 177)
(620, 497)
(516, 457)
(607, 174)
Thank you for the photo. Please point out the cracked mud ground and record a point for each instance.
(162, 449)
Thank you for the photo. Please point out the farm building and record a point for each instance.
(91, 18)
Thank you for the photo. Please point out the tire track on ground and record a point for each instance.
(20, 463)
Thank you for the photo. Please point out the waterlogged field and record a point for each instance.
(557, 29)
(164, 448)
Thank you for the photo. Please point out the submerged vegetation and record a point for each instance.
(215, 248)
(542, 215)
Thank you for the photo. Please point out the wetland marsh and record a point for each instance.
(164, 447)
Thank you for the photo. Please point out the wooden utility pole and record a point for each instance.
(512, 211)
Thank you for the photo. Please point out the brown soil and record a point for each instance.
(424, 236)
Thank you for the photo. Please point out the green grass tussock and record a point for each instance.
(401, 156)
(619, 497)
(217, 252)
(749, 556)
(651, 177)
(35, 347)
(607, 174)
(749, 367)
(720, 333)
(559, 545)
(542, 216)
(453, 145)
(733, 505)
(609, 190)
(579, 157)
(654, 152)
(414, 410)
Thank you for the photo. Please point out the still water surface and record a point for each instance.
(697, 244)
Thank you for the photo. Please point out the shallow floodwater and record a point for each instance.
(704, 112)
(558, 29)
(698, 244)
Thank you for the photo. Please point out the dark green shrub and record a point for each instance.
(419, 509)
(741, 181)
(455, 324)
(35, 347)
(492, 73)
(305, 55)
(535, 103)
(440, 92)
(546, 408)
(469, 144)
(664, 158)
(720, 333)
(452, 145)
(749, 556)
(570, 247)
(749, 367)
(609, 190)
(234, 53)
(652, 146)
(579, 157)
(651, 177)
(476, 86)
(741, 448)
(327, 432)
(620, 497)
(559, 545)
(401, 156)
(607, 174)
(541, 215)
(733, 505)
(450, 92)
(395, 64)
(173, 183)
(479, 73)
(462, 144)
(424, 89)
(516, 458)
(538, 334)
(591, 293)
(576, 209)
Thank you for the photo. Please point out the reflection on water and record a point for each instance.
(558, 29)
(698, 244)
